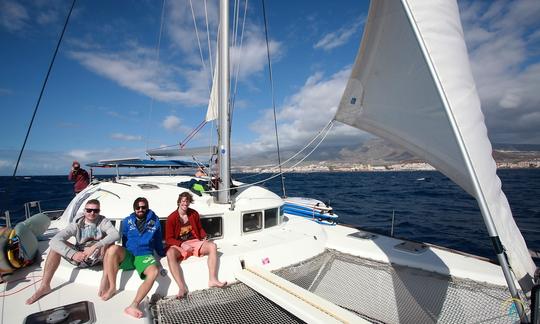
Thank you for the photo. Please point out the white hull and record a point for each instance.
(293, 240)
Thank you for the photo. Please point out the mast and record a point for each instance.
(224, 155)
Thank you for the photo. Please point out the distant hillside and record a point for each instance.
(377, 151)
(516, 147)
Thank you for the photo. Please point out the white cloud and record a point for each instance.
(50, 163)
(137, 70)
(79, 155)
(21, 16)
(5, 164)
(503, 43)
(125, 137)
(171, 122)
(47, 17)
(340, 37)
(303, 115)
(181, 29)
(252, 56)
(174, 124)
(187, 81)
(13, 16)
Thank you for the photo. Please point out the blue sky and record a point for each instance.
(109, 96)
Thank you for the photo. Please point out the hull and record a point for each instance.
(331, 266)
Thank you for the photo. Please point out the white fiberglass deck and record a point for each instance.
(278, 248)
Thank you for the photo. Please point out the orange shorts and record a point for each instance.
(195, 246)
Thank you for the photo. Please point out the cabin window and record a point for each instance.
(252, 221)
(270, 217)
(213, 226)
(281, 213)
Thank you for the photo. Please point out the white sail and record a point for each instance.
(212, 111)
(412, 84)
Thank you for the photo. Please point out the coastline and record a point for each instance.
(325, 166)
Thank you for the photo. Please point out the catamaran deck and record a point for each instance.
(366, 274)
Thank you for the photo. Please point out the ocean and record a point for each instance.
(426, 205)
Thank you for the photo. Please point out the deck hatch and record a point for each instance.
(147, 186)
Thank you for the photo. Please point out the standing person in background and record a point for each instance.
(79, 176)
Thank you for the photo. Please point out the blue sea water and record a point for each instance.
(426, 205)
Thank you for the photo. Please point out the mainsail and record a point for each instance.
(212, 111)
(412, 85)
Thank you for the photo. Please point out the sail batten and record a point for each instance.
(412, 85)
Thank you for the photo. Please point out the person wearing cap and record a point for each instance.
(79, 176)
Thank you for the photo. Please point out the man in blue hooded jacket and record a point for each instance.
(141, 236)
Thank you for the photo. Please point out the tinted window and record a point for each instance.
(252, 221)
(212, 226)
(270, 217)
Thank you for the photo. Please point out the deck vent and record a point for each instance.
(147, 186)
(411, 247)
(363, 235)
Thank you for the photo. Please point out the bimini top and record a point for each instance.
(140, 163)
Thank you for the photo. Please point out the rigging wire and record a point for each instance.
(43, 88)
(199, 42)
(331, 124)
(158, 46)
(236, 10)
(208, 39)
(36, 108)
(192, 134)
(323, 130)
(237, 66)
(273, 97)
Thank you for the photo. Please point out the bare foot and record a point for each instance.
(42, 291)
(108, 294)
(103, 286)
(181, 292)
(217, 283)
(133, 311)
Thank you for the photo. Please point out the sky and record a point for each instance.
(129, 76)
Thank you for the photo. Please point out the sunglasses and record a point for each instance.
(140, 207)
(95, 210)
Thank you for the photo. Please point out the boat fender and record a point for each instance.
(38, 223)
(22, 246)
(5, 266)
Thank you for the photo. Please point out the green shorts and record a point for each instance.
(139, 263)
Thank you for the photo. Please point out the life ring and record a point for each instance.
(22, 246)
(12, 251)
(5, 266)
